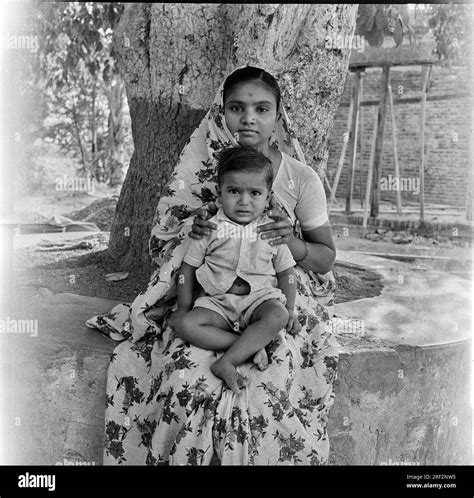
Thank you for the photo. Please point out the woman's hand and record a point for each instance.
(281, 229)
(200, 224)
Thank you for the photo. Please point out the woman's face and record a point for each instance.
(251, 111)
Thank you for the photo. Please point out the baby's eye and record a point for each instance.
(256, 192)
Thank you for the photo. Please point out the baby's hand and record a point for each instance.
(176, 317)
(261, 359)
(293, 326)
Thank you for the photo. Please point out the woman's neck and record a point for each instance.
(274, 155)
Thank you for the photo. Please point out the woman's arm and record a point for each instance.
(320, 244)
(321, 249)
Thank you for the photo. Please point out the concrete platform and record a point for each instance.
(54, 382)
(402, 394)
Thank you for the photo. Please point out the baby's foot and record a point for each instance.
(261, 359)
(228, 373)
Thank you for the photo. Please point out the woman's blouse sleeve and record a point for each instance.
(311, 207)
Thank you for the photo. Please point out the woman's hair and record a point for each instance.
(243, 158)
(250, 73)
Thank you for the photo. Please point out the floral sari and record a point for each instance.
(164, 406)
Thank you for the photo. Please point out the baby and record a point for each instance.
(247, 283)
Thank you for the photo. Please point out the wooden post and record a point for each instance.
(368, 188)
(328, 185)
(426, 78)
(354, 130)
(361, 140)
(471, 135)
(395, 153)
(469, 172)
(342, 156)
(374, 209)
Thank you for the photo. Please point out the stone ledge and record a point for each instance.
(403, 387)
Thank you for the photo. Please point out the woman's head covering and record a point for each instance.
(193, 182)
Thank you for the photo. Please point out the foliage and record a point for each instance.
(451, 29)
(450, 24)
(77, 69)
(375, 21)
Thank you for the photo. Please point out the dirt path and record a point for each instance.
(83, 271)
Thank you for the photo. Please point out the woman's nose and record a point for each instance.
(249, 117)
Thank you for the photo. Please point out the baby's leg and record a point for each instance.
(205, 329)
(266, 321)
(228, 373)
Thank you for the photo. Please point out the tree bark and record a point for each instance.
(161, 47)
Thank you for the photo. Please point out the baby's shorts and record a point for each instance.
(239, 309)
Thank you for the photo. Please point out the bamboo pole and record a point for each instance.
(374, 208)
(361, 140)
(368, 187)
(328, 185)
(469, 173)
(471, 135)
(342, 156)
(395, 152)
(354, 132)
(426, 79)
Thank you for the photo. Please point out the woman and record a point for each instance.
(164, 406)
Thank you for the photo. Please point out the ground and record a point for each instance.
(83, 271)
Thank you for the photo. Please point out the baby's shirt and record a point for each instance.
(236, 250)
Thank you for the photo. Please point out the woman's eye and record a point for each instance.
(233, 191)
(262, 109)
(235, 108)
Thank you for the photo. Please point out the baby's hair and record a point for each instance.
(251, 73)
(243, 158)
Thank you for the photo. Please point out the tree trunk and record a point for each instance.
(161, 47)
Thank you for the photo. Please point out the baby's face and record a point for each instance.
(244, 195)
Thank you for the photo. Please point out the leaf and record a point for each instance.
(365, 18)
(375, 38)
(381, 18)
(398, 33)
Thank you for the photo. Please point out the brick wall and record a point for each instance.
(447, 129)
